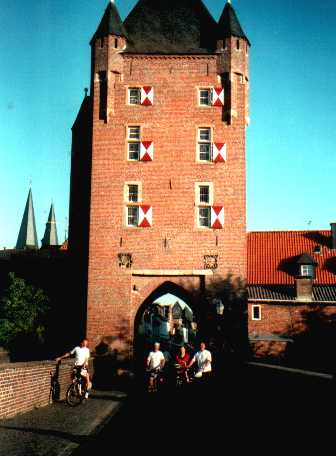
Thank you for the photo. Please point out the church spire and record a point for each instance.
(229, 24)
(27, 238)
(50, 238)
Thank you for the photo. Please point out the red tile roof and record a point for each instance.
(272, 256)
(65, 245)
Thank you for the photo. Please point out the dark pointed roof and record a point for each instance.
(171, 27)
(111, 23)
(27, 238)
(50, 238)
(83, 113)
(228, 24)
(305, 258)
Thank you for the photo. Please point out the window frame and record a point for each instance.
(200, 141)
(133, 141)
(209, 89)
(128, 204)
(309, 269)
(256, 306)
(135, 206)
(129, 95)
(202, 204)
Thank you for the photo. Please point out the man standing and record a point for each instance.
(82, 356)
(203, 361)
(155, 363)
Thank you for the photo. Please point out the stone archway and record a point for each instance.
(170, 315)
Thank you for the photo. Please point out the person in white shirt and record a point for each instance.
(82, 356)
(203, 361)
(155, 363)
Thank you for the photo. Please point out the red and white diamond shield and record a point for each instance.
(218, 96)
(217, 217)
(145, 216)
(147, 95)
(219, 152)
(146, 150)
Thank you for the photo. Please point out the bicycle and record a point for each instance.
(157, 377)
(182, 376)
(77, 390)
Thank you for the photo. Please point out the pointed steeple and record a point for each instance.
(229, 25)
(27, 238)
(50, 238)
(111, 23)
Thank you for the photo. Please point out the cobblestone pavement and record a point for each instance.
(58, 429)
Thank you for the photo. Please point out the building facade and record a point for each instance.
(292, 295)
(158, 159)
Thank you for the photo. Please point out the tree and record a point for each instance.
(23, 311)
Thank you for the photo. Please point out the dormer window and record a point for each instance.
(307, 270)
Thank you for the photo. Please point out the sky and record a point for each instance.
(291, 161)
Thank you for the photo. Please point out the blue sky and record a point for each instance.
(291, 164)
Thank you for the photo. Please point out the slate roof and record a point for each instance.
(273, 256)
(229, 25)
(170, 27)
(287, 292)
(27, 238)
(50, 237)
(83, 116)
(111, 23)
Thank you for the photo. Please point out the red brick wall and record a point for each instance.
(168, 183)
(25, 386)
(288, 320)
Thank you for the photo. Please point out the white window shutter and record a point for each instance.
(218, 96)
(146, 150)
(147, 95)
(145, 216)
(217, 217)
(219, 152)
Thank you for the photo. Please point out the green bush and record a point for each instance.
(23, 311)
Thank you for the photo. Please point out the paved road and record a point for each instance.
(249, 407)
(58, 429)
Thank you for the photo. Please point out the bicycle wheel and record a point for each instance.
(73, 395)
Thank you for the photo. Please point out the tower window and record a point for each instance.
(204, 193)
(102, 42)
(256, 312)
(133, 193)
(204, 97)
(115, 42)
(238, 44)
(204, 217)
(134, 96)
(132, 198)
(204, 197)
(132, 215)
(133, 136)
(204, 144)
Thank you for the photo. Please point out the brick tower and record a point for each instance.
(163, 138)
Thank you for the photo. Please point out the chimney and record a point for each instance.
(333, 235)
(304, 278)
(304, 289)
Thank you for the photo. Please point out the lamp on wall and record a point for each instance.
(219, 306)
